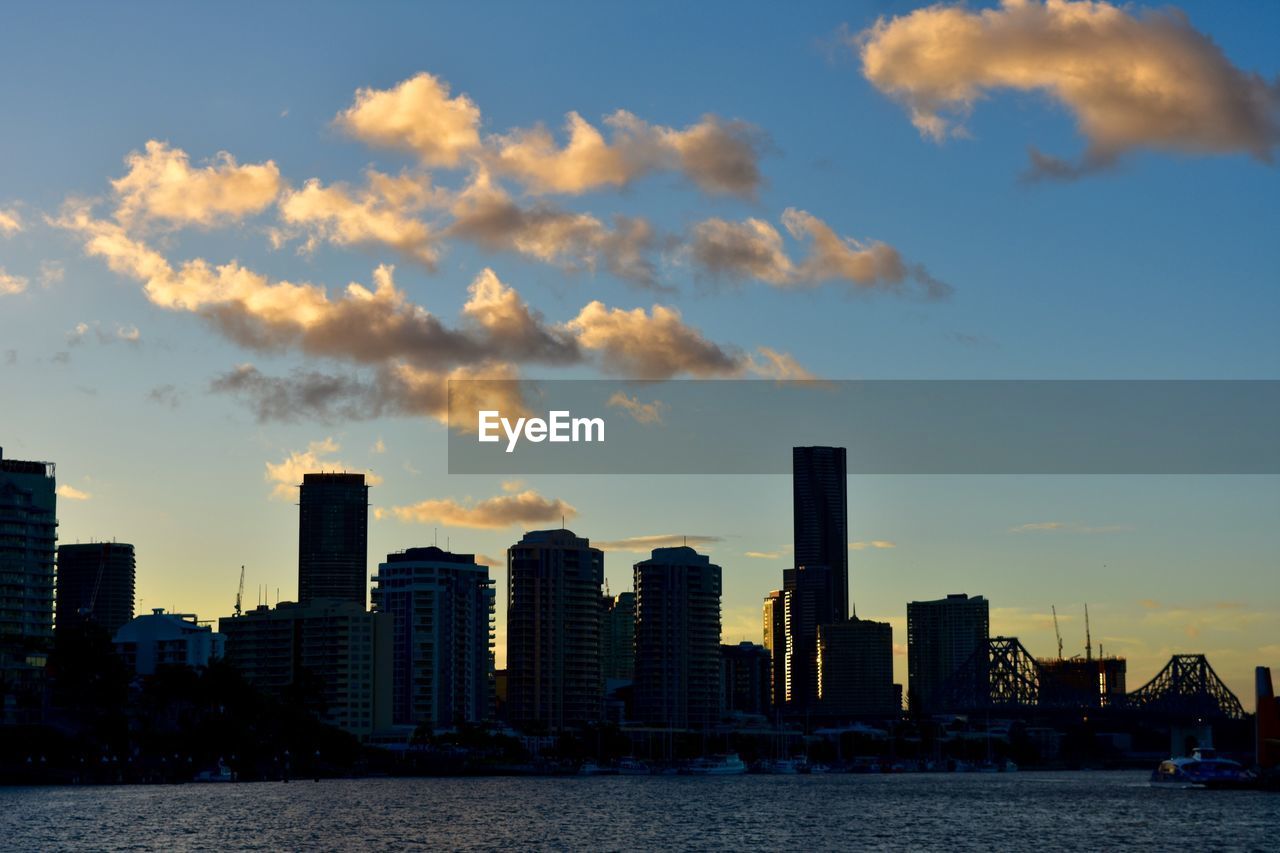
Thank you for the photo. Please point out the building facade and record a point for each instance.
(95, 584)
(618, 637)
(775, 641)
(746, 679)
(333, 538)
(553, 630)
(441, 608)
(941, 635)
(158, 639)
(807, 604)
(677, 639)
(820, 522)
(855, 669)
(330, 654)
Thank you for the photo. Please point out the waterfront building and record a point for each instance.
(158, 639)
(746, 679)
(820, 523)
(941, 636)
(807, 604)
(553, 630)
(441, 609)
(618, 637)
(331, 654)
(333, 538)
(677, 639)
(855, 669)
(95, 584)
(775, 641)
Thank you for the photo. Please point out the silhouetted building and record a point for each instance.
(159, 639)
(941, 635)
(808, 603)
(95, 584)
(775, 641)
(333, 656)
(1082, 682)
(677, 639)
(855, 669)
(819, 491)
(333, 538)
(618, 637)
(746, 680)
(28, 533)
(553, 630)
(441, 609)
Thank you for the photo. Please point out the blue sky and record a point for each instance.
(1163, 266)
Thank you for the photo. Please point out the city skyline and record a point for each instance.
(1152, 260)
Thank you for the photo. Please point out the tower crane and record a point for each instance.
(240, 595)
(1056, 632)
(1088, 639)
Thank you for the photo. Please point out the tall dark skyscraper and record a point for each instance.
(941, 635)
(28, 533)
(95, 584)
(820, 509)
(333, 538)
(553, 630)
(677, 681)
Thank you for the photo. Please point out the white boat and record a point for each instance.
(1202, 768)
(221, 773)
(718, 765)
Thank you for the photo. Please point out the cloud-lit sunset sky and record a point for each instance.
(242, 243)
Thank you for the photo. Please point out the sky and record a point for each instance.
(238, 243)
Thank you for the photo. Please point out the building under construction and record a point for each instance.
(1082, 682)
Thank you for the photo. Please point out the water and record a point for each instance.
(1022, 811)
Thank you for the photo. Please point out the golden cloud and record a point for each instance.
(162, 186)
(506, 510)
(416, 115)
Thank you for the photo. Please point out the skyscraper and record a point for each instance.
(441, 609)
(95, 584)
(745, 679)
(28, 533)
(941, 635)
(808, 604)
(553, 630)
(677, 639)
(819, 499)
(333, 538)
(775, 640)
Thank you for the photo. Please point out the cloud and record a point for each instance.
(71, 493)
(506, 510)
(11, 285)
(753, 249)
(287, 474)
(82, 330)
(716, 155)
(1132, 81)
(165, 395)
(1068, 527)
(416, 115)
(764, 555)
(485, 215)
(645, 544)
(161, 186)
(51, 273)
(10, 221)
(379, 446)
(780, 366)
(877, 544)
(654, 344)
(378, 214)
(644, 413)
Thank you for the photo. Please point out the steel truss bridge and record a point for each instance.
(1004, 675)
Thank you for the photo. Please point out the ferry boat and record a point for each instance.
(1203, 768)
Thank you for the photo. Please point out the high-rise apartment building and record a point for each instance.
(553, 630)
(333, 538)
(855, 669)
(618, 637)
(28, 534)
(775, 641)
(441, 609)
(677, 639)
(820, 523)
(941, 636)
(807, 604)
(95, 584)
(746, 681)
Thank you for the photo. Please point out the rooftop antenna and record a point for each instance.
(1088, 640)
(1056, 632)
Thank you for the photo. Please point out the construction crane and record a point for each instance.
(240, 594)
(1056, 632)
(1088, 639)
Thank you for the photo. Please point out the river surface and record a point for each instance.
(1016, 811)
